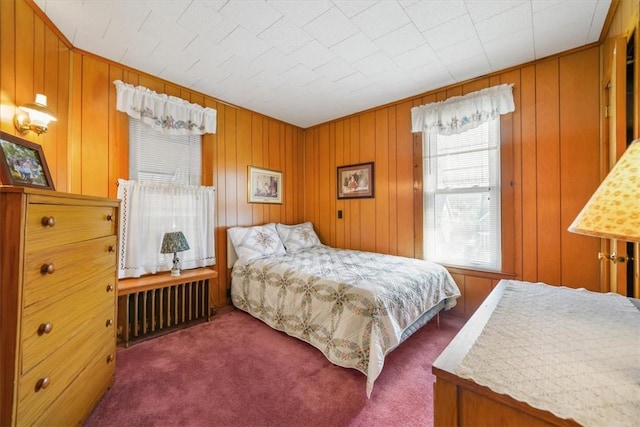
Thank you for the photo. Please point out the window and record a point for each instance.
(164, 194)
(161, 157)
(462, 197)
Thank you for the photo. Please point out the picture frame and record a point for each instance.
(23, 163)
(356, 181)
(264, 185)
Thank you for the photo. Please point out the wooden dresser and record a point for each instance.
(58, 278)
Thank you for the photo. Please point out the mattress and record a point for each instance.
(353, 306)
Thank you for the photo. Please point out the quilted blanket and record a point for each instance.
(353, 306)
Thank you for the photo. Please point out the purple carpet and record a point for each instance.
(237, 371)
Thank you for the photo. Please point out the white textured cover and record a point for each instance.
(572, 352)
(354, 306)
(296, 237)
(257, 241)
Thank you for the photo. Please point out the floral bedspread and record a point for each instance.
(352, 305)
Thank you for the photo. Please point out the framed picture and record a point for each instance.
(264, 185)
(355, 181)
(22, 162)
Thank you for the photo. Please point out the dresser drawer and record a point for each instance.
(51, 225)
(76, 403)
(74, 266)
(62, 369)
(47, 327)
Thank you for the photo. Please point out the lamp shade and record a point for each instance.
(174, 242)
(614, 209)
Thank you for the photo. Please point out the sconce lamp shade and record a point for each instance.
(34, 116)
(174, 242)
(614, 209)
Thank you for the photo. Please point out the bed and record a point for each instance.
(534, 354)
(354, 306)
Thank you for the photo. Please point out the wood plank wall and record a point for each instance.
(87, 149)
(550, 152)
(550, 168)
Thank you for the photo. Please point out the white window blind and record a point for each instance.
(462, 197)
(160, 157)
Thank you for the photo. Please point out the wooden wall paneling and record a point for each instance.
(507, 177)
(355, 205)
(61, 127)
(323, 199)
(222, 171)
(418, 195)
(300, 173)
(381, 156)
(548, 172)
(368, 206)
(392, 182)
(404, 180)
(274, 163)
(118, 136)
(310, 174)
(476, 290)
(512, 238)
(340, 148)
(95, 127)
(289, 208)
(24, 65)
(48, 85)
(579, 163)
(39, 63)
(529, 156)
(243, 160)
(74, 156)
(331, 174)
(257, 130)
(230, 164)
(7, 66)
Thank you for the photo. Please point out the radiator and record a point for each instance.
(149, 312)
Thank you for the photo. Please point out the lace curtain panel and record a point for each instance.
(165, 113)
(460, 113)
(150, 209)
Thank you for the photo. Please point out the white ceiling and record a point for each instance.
(309, 61)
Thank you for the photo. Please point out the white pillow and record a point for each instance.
(254, 242)
(297, 237)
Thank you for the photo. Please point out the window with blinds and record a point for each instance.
(462, 198)
(158, 157)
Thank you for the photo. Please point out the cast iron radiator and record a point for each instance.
(150, 311)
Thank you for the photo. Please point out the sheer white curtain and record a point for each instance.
(150, 209)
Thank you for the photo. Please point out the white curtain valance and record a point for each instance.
(164, 113)
(460, 113)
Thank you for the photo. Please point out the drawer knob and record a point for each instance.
(48, 221)
(110, 358)
(45, 328)
(112, 248)
(109, 287)
(109, 217)
(109, 322)
(42, 383)
(47, 269)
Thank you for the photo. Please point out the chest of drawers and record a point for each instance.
(58, 255)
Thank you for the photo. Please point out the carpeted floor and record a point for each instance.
(237, 371)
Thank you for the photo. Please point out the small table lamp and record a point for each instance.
(174, 242)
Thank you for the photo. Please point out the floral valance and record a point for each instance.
(461, 113)
(165, 113)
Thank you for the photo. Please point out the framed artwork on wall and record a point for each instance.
(264, 185)
(23, 163)
(355, 181)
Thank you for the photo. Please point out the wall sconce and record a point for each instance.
(34, 116)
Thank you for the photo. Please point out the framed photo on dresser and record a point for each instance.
(23, 163)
